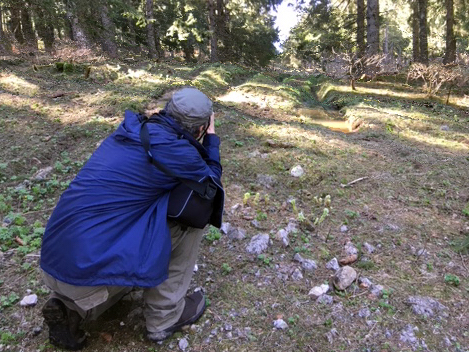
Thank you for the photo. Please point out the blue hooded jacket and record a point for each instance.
(109, 227)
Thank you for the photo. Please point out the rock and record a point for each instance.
(364, 313)
(344, 277)
(408, 337)
(444, 128)
(183, 344)
(377, 290)
(349, 259)
(256, 224)
(318, 291)
(298, 258)
(343, 228)
(6, 222)
(331, 334)
(325, 299)
(350, 249)
(280, 324)
(265, 180)
(28, 301)
(333, 264)
(228, 327)
(42, 173)
(297, 171)
(225, 228)
(291, 227)
(309, 265)
(235, 208)
(297, 275)
(196, 268)
(237, 234)
(369, 248)
(258, 244)
(37, 330)
(282, 235)
(426, 306)
(364, 282)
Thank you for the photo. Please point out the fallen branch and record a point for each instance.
(352, 182)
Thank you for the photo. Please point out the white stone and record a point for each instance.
(344, 277)
(183, 344)
(318, 291)
(298, 258)
(297, 171)
(309, 265)
(297, 275)
(333, 264)
(280, 324)
(225, 228)
(370, 249)
(196, 268)
(343, 228)
(258, 244)
(30, 300)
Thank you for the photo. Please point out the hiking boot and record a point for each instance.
(193, 309)
(63, 323)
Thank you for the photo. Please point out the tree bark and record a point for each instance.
(372, 23)
(15, 23)
(361, 27)
(5, 46)
(108, 34)
(45, 29)
(423, 39)
(150, 29)
(415, 32)
(213, 32)
(450, 54)
(78, 34)
(27, 27)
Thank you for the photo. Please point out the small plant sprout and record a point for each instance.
(266, 199)
(257, 198)
(226, 269)
(246, 197)
(293, 204)
(301, 217)
(452, 280)
(327, 201)
(325, 214)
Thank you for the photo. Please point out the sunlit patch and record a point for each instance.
(18, 85)
(456, 142)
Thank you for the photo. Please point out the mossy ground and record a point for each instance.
(413, 151)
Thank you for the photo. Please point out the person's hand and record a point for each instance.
(211, 127)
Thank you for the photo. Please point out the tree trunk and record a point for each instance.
(108, 34)
(386, 42)
(372, 23)
(423, 31)
(213, 32)
(78, 34)
(27, 27)
(15, 23)
(5, 46)
(415, 32)
(150, 29)
(450, 54)
(45, 29)
(361, 27)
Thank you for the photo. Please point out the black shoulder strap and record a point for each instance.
(206, 190)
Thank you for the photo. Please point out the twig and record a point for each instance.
(38, 211)
(369, 332)
(463, 263)
(352, 182)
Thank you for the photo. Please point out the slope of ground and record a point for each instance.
(391, 198)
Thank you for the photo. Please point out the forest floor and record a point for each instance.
(400, 225)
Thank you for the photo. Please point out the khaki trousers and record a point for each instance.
(163, 304)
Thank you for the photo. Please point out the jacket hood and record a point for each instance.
(130, 127)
